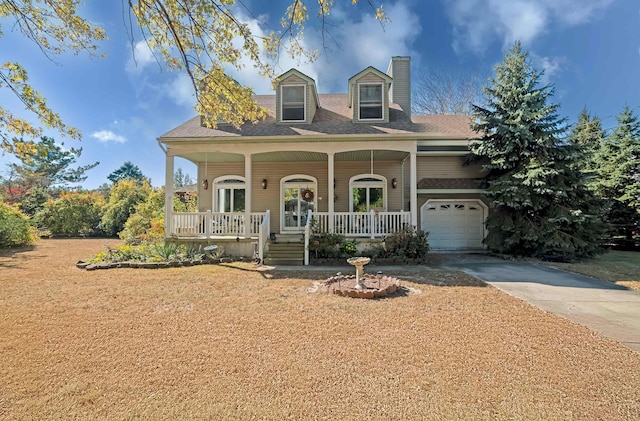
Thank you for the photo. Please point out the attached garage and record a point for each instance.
(454, 224)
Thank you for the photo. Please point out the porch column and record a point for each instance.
(247, 195)
(330, 190)
(168, 194)
(413, 195)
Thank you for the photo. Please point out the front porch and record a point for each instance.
(229, 225)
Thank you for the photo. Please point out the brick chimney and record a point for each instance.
(400, 92)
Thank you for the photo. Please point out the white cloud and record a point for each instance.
(105, 136)
(352, 45)
(479, 22)
(181, 91)
(141, 57)
(550, 66)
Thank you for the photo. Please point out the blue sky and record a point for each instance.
(589, 49)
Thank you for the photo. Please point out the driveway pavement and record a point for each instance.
(602, 306)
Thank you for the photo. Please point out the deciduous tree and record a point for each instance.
(198, 37)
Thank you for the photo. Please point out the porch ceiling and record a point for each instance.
(296, 156)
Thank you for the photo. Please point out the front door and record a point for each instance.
(298, 196)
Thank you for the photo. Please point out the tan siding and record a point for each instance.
(214, 171)
(400, 91)
(344, 170)
(293, 80)
(274, 172)
(446, 167)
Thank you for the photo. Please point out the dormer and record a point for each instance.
(369, 96)
(296, 98)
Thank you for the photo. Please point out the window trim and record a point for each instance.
(219, 183)
(381, 84)
(381, 182)
(304, 102)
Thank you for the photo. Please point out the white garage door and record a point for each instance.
(453, 224)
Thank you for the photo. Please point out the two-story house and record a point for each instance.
(360, 164)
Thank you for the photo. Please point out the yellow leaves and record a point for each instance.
(56, 28)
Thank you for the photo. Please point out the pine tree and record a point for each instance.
(618, 162)
(588, 134)
(539, 203)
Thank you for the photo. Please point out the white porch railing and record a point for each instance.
(307, 235)
(206, 224)
(263, 235)
(363, 224)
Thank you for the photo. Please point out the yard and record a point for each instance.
(216, 342)
(621, 267)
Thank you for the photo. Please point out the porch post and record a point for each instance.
(413, 195)
(168, 194)
(247, 195)
(330, 190)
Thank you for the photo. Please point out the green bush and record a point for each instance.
(409, 242)
(326, 246)
(123, 198)
(72, 214)
(146, 252)
(15, 228)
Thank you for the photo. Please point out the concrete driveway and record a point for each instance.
(607, 308)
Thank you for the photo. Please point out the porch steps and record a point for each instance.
(285, 254)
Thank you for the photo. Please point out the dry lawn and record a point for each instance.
(621, 267)
(210, 342)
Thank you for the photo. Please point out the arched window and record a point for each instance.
(229, 193)
(368, 191)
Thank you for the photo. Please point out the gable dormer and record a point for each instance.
(369, 96)
(296, 98)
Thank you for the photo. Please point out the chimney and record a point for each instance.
(400, 92)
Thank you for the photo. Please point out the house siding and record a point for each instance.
(446, 167)
(274, 172)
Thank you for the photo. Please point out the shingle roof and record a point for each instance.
(332, 118)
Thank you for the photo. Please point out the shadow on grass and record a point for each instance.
(439, 278)
(16, 256)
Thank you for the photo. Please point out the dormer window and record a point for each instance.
(370, 97)
(293, 102)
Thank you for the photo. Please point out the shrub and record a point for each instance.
(123, 198)
(326, 246)
(72, 214)
(409, 242)
(15, 228)
(348, 248)
(146, 223)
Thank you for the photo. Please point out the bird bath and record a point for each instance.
(362, 285)
(359, 263)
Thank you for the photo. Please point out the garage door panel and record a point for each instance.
(454, 224)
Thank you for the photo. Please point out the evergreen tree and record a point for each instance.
(51, 163)
(539, 203)
(618, 163)
(618, 160)
(127, 171)
(589, 134)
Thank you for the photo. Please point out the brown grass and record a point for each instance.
(211, 342)
(621, 267)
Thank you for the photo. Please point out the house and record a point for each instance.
(359, 164)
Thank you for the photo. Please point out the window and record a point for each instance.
(229, 194)
(293, 100)
(368, 193)
(370, 96)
